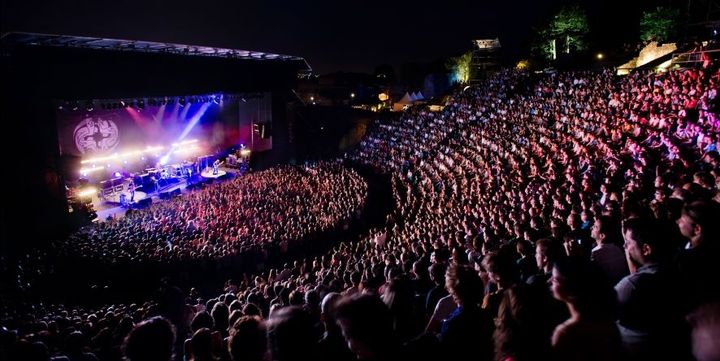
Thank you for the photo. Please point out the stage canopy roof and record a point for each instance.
(84, 42)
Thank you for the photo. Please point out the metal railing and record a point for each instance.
(693, 56)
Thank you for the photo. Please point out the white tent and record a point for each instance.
(406, 99)
(403, 102)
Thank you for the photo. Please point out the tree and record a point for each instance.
(564, 33)
(659, 24)
(459, 68)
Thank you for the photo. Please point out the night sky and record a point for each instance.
(335, 35)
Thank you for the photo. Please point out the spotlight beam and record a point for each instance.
(160, 113)
(193, 122)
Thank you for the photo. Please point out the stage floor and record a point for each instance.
(115, 197)
(110, 206)
(208, 173)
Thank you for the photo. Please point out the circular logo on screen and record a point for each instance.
(96, 135)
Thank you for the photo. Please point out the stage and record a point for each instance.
(208, 173)
(117, 198)
(111, 206)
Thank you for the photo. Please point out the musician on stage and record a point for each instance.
(153, 180)
(131, 189)
(216, 166)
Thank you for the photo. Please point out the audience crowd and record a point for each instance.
(260, 213)
(563, 216)
(277, 205)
